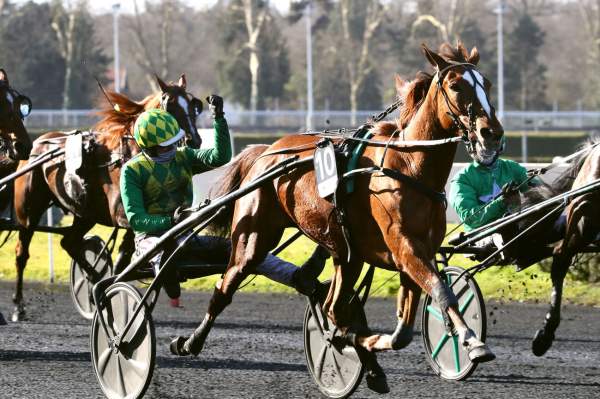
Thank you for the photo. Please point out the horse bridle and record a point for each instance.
(466, 131)
(6, 143)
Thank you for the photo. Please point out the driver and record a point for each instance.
(156, 189)
(474, 191)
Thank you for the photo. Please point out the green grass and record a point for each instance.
(501, 283)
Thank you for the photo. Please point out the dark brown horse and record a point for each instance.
(97, 198)
(15, 143)
(581, 222)
(392, 225)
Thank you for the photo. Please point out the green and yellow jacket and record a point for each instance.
(476, 186)
(151, 191)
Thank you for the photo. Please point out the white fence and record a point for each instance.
(292, 120)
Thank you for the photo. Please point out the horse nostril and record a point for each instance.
(486, 132)
(22, 150)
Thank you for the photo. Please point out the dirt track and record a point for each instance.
(256, 351)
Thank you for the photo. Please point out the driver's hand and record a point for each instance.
(181, 213)
(215, 105)
(510, 195)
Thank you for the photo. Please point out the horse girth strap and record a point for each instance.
(435, 196)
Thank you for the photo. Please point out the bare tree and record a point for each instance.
(256, 13)
(358, 53)
(143, 52)
(448, 18)
(590, 15)
(63, 24)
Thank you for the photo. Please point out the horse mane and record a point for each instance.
(564, 181)
(118, 121)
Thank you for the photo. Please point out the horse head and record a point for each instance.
(463, 106)
(14, 107)
(183, 106)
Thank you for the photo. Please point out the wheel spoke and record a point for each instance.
(460, 293)
(77, 287)
(312, 325)
(103, 360)
(337, 368)
(120, 382)
(350, 352)
(456, 354)
(321, 361)
(139, 368)
(124, 309)
(439, 346)
(435, 313)
(466, 303)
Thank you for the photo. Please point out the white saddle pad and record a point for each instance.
(74, 152)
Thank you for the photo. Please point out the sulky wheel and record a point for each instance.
(124, 368)
(444, 352)
(81, 283)
(333, 365)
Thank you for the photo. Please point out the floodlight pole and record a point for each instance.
(117, 74)
(500, 12)
(309, 68)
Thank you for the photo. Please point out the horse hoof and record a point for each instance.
(377, 382)
(541, 342)
(177, 346)
(481, 354)
(2, 320)
(18, 315)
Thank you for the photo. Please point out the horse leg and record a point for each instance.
(126, 251)
(413, 254)
(31, 200)
(21, 257)
(407, 303)
(542, 341)
(251, 241)
(582, 227)
(72, 242)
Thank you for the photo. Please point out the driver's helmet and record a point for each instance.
(156, 127)
(487, 160)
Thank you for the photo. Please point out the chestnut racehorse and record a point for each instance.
(100, 199)
(15, 143)
(392, 224)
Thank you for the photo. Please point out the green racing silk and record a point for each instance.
(151, 191)
(473, 189)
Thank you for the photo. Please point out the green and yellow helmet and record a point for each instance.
(156, 127)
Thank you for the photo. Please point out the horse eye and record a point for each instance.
(454, 86)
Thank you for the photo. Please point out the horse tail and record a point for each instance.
(231, 181)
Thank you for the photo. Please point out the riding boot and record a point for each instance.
(305, 278)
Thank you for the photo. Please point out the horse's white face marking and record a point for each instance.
(183, 103)
(478, 86)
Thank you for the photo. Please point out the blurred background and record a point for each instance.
(284, 66)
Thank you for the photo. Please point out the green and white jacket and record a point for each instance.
(152, 191)
(476, 186)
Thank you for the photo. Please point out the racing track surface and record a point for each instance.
(256, 351)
